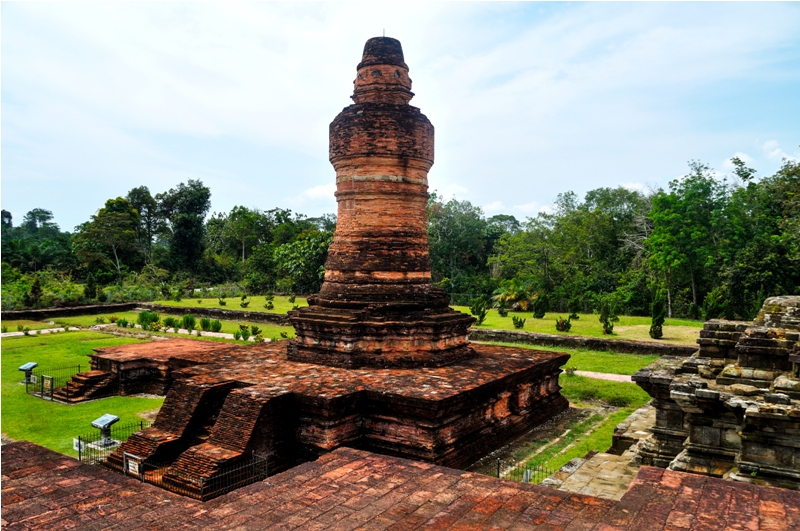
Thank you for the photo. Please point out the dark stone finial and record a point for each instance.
(382, 51)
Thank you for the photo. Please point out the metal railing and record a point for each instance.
(45, 381)
(229, 478)
(94, 449)
(514, 471)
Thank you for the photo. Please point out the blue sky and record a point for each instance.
(528, 99)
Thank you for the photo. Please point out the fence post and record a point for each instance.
(80, 444)
(498, 468)
(141, 425)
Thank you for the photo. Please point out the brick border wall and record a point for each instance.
(591, 343)
(219, 313)
(51, 313)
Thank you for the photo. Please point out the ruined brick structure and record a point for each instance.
(379, 362)
(377, 306)
(732, 409)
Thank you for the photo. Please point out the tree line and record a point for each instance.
(711, 247)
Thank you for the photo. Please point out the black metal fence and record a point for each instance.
(514, 471)
(94, 449)
(243, 473)
(45, 381)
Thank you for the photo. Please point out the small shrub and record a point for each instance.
(205, 324)
(171, 322)
(570, 371)
(270, 297)
(269, 305)
(26, 331)
(292, 298)
(189, 322)
(222, 302)
(113, 319)
(258, 338)
(244, 304)
(478, 309)
(237, 335)
(540, 305)
(122, 323)
(284, 335)
(146, 319)
(244, 296)
(199, 301)
(574, 316)
(608, 316)
(4, 329)
(503, 311)
(100, 320)
(519, 322)
(176, 296)
(255, 330)
(245, 333)
(157, 326)
(216, 326)
(563, 325)
(20, 328)
(131, 325)
(659, 313)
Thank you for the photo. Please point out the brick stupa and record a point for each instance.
(377, 306)
(379, 361)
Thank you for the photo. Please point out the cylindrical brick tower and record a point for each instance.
(377, 306)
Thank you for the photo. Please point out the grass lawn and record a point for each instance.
(677, 331)
(51, 424)
(594, 360)
(281, 303)
(13, 326)
(583, 392)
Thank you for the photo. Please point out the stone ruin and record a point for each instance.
(379, 362)
(732, 409)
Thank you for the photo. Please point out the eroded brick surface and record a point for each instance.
(352, 489)
(248, 399)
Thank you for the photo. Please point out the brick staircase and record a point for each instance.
(87, 385)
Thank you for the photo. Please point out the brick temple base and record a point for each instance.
(253, 398)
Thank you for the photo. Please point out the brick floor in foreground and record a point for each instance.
(352, 489)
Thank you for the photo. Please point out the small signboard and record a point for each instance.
(34, 379)
(47, 382)
(78, 445)
(133, 467)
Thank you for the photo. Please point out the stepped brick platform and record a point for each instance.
(87, 385)
(351, 489)
(253, 398)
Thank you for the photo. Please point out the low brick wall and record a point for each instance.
(219, 313)
(591, 343)
(52, 313)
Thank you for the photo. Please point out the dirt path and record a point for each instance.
(604, 376)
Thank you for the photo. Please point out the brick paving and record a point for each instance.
(351, 489)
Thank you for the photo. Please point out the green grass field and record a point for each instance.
(281, 303)
(13, 325)
(676, 331)
(594, 360)
(52, 424)
(595, 432)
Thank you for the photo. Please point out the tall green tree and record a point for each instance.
(184, 209)
(150, 219)
(109, 234)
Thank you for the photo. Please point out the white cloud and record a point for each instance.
(494, 206)
(635, 187)
(316, 193)
(773, 151)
